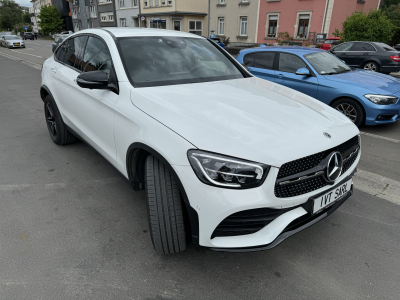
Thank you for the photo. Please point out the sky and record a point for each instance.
(24, 2)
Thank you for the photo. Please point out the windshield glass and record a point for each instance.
(156, 61)
(59, 39)
(11, 37)
(331, 41)
(386, 47)
(326, 64)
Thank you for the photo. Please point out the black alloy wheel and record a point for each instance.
(351, 109)
(57, 129)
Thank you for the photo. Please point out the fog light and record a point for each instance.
(384, 117)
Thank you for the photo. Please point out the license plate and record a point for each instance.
(331, 197)
(16, 44)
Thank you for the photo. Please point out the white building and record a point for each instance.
(127, 13)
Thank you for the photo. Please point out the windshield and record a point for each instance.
(59, 39)
(11, 37)
(331, 41)
(386, 47)
(326, 64)
(156, 61)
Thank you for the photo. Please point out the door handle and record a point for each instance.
(54, 70)
(280, 76)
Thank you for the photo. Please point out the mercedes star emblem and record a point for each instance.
(334, 167)
(327, 135)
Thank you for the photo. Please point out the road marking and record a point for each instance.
(380, 137)
(27, 53)
(378, 186)
(31, 64)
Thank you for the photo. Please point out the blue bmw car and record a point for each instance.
(363, 96)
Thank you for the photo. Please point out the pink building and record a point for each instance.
(303, 19)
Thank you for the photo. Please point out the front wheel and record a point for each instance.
(371, 66)
(165, 206)
(351, 109)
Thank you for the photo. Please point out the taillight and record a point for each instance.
(395, 58)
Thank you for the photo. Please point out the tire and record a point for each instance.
(371, 66)
(57, 129)
(351, 109)
(166, 221)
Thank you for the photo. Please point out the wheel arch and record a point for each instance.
(352, 98)
(135, 165)
(374, 60)
(44, 92)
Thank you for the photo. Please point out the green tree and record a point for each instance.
(50, 20)
(26, 18)
(387, 3)
(374, 26)
(10, 13)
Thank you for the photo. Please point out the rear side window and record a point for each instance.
(386, 47)
(72, 48)
(248, 59)
(331, 41)
(290, 63)
(96, 57)
(362, 47)
(265, 60)
(343, 47)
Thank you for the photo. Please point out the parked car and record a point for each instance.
(217, 40)
(58, 41)
(328, 43)
(363, 96)
(54, 36)
(371, 56)
(28, 36)
(228, 161)
(12, 41)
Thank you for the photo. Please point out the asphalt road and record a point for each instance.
(70, 228)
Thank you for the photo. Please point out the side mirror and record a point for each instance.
(96, 80)
(303, 71)
(343, 62)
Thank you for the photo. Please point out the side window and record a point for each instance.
(248, 59)
(343, 47)
(265, 60)
(72, 48)
(290, 63)
(96, 57)
(362, 47)
(58, 53)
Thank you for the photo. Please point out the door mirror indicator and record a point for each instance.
(303, 71)
(96, 80)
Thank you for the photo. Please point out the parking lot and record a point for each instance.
(71, 228)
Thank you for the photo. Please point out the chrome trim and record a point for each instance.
(351, 155)
(319, 173)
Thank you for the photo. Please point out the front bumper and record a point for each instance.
(374, 111)
(213, 205)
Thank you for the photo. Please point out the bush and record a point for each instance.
(374, 26)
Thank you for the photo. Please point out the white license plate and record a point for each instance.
(331, 197)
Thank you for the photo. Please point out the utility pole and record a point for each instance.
(82, 9)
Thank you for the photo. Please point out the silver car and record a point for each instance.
(12, 41)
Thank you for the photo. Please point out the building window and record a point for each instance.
(93, 12)
(221, 26)
(221, 1)
(121, 3)
(177, 25)
(196, 27)
(122, 22)
(243, 26)
(272, 26)
(163, 2)
(110, 16)
(304, 21)
(146, 4)
(151, 3)
(103, 17)
(76, 26)
(135, 3)
(169, 2)
(109, 1)
(74, 14)
(102, 1)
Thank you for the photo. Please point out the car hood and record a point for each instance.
(250, 118)
(14, 41)
(376, 82)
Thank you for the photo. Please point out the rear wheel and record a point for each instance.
(351, 109)
(371, 66)
(166, 221)
(57, 129)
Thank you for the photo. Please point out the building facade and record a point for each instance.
(236, 19)
(127, 12)
(61, 5)
(91, 14)
(106, 13)
(303, 20)
(182, 15)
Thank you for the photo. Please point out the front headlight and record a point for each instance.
(228, 172)
(381, 99)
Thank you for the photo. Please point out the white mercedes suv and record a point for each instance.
(229, 161)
